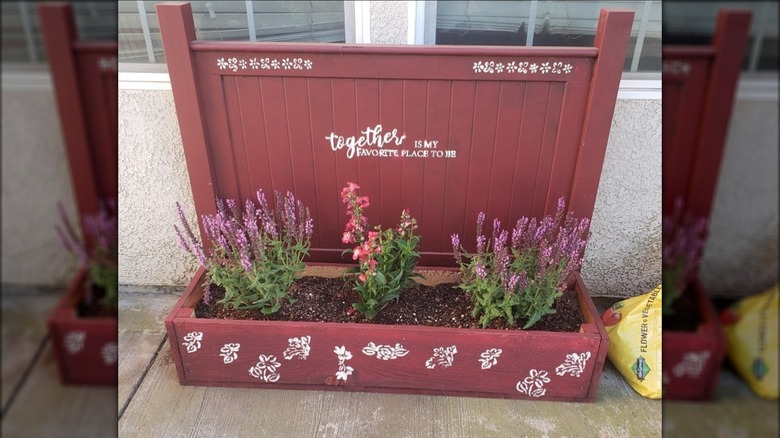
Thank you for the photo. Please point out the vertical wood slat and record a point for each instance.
(412, 174)
(327, 211)
(392, 116)
(729, 42)
(612, 36)
(177, 31)
(223, 161)
(534, 123)
(367, 115)
(431, 217)
(59, 35)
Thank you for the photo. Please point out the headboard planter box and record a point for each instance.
(502, 130)
(84, 75)
(699, 84)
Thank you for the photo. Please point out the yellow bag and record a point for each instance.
(751, 333)
(634, 329)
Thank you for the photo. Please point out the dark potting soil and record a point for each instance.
(89, 306)
(320, 299)
(685, 316)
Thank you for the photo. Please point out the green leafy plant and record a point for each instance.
(387, 258)
(683, 237)
(255, 254)
(98, 253)
(521, 279)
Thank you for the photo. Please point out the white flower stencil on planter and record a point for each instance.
(385, 352)
(489, 358)
(108, 353)
(192, 341)
(299, 347)
(691, 365)
(442, 356)
(522, 67)
(265, 369)
(74, 341)
(574, 364)
(229, 352)
(344, 370)
(676, 67)
(533, 385)
(236, 64)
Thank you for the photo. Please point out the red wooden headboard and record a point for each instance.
(505, 130)
(84, 74)
(699, 84)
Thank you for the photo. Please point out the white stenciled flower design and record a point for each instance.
(265, 369)
(567, 68)
(385, 352)
(298, 347)
(265, 63)
(108, 352)
(692, 364)
(229, 352)
(286, 64)
(275, 64)
(107, 63)
(442, 357)
(500, 67)
(545, 68)
(298, 64)
(192, 341)
(477, 67)
(254, 64)
(557, 67)
(74, 341)
(233, 64)
(511, 67)
(574, 364)
(307, 63)
(242, 64)
(533, 68)
(344, 370)
(489, 358)
(533, 385)
(222, 64)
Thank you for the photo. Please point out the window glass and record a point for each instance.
(694, 23)
(293, 21)
(554, 23)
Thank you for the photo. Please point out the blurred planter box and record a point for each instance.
(513, 364)
(692, 360)
(85, 349)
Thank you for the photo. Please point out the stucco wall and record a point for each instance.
(35, 176)
(388, 22)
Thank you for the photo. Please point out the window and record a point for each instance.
(22, 40)
(694, 22)
(293, 21)
(554, 23)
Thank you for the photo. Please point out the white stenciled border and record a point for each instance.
(344, 355)
(523, 67)
(109, 353)
(691, 365)
(236, 64)
(676, 67)
(266, 369)
(74, 341)
(298, 347)
(443, 357)
(192, 341)
(385, 352)
(107, 63)
(229, 352)
(489, 358)
(574, 364)
(533, 385)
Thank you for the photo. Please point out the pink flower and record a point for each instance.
(363, 201)
(356, 253)
(362, 278)
(348, 238)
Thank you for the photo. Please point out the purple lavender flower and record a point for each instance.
(456, 248)
(480, 270)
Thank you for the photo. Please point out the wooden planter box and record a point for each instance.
(534, 365)
(692, 360)
(85, 349)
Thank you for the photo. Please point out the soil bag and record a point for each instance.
(634, 329)
(751, 332)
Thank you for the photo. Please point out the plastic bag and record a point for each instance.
(751, 332)
(634, 329)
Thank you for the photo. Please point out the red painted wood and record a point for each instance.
(521, 352)
(84, 76)
(515, 136)
(699, 84)
(86, 366)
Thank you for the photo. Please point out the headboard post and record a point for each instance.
(59, 35)
(612, 35)
(729, 42)
(178, 30)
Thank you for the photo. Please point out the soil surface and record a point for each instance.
(319, 299)
(685, 315)
(89, 306)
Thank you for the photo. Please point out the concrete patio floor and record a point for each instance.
(149, 402)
